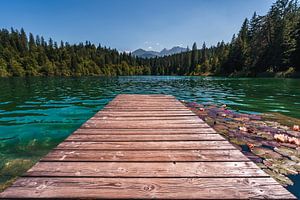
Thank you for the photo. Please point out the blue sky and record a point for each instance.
(131, 24)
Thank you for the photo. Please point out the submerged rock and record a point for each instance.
(270, 140)
(293, 133)
(282, 119)
(282, 166)
(296, 128)
(265, 153)
(288, 152)
(265, 135)
(279, 177)
(238, 141)
(242, 128)
(287, 139)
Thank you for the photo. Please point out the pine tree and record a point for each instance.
(23, 42)
(203, 53)
(194, 58)
(290, 20)
(32, 44)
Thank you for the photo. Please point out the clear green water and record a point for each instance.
(38, 113)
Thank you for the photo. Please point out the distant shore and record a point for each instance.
(290, 73)
(295, 75)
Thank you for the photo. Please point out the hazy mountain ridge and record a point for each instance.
(151, 54)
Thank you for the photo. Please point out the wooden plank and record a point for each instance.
(145, 156)
(141, 106)
(145, 131)
(142, 118)
(153, 169)
(133, 105)
(145, 188)
(144, 97)
(143, 125)
(130, 96)
(137, 120)
(151, 112)
(134, 99)
(136, 102)
(124, 96)
(140, 101)
(132, 138)
(147, 145)
(142, 114)
(148, 106)
(145, 104)
(124, 109)
(147, 100)
(95, 121)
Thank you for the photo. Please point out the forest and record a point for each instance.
(266, 45)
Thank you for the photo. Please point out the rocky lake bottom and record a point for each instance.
(270, 140)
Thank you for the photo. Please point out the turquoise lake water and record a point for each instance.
(38, 113)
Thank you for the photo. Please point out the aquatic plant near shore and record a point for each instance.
(272, 141)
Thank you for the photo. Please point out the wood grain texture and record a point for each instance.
(142, 147)
(148, 122)
(157, 145)
(127, 109)
(142, 125)
(142, 114)
(146, 188)
(145, 131)
(124, 104)
(134, 138)
(143, 118)
(137, 169)
(146, 155)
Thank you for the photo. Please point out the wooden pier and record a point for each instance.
(141, 147)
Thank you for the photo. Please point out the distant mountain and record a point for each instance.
(174, 50)
(151, 54)
(145, 54)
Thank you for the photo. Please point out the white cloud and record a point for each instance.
(157, 44)
(149, 47)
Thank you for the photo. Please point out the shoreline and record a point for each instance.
(279, 75)
(266, 139)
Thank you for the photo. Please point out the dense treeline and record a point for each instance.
(33, 56)
(264, 45)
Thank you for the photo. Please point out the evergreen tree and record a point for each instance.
(194, 58)
(296, 53)
(32, 44)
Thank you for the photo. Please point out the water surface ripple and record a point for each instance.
(38, 113)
